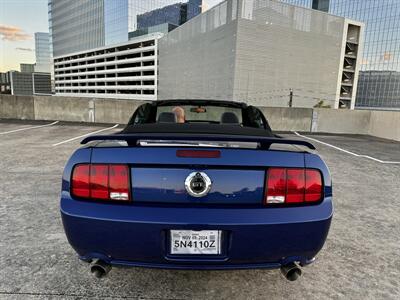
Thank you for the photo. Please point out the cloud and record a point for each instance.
(24, 49)
(13, 34)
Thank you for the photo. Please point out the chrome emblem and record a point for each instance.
(198, 184)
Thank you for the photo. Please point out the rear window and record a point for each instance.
(201, 114)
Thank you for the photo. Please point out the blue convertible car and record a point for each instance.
(196, 184)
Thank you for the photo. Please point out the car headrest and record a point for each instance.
(229, 118)
(167, 117)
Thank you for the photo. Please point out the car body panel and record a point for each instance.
(167, 185)
(253, 234)
(130, 235)
(136, 234)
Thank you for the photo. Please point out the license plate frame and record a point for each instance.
(195, 242)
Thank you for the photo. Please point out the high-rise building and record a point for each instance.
(379, 85)
(175, 14)
(42, 52)
(76, 25)
(87, 24)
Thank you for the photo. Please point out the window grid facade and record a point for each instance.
(379, 78)
(42, 52)
(86, 24)
(41, 84)
(76, 25)
(127, 70)
(379, 81)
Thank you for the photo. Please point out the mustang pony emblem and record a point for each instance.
(198, 184)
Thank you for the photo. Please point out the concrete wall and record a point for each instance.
(63, 108)
(340, 121)
(16, 107)
(384, 124)
(288, 119)
(74, 109)
(111, 111)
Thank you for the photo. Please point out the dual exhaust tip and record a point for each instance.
(290, 271)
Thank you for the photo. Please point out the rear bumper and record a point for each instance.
(139, 235)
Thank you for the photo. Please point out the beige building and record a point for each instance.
(257, 51)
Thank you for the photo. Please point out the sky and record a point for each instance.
(19, 20)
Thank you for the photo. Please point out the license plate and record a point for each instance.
(195, 242)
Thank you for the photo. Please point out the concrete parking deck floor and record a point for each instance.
(361, 258)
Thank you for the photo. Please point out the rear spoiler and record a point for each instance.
(132, 139)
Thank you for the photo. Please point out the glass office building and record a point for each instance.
(175, 14)
(122, 17)
(117, 20)
(42, 52)
(379, 78)
(86, 24)
(322, 5)
(76, 25)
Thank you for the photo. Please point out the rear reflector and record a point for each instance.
(289, 185)
(101, 181)
(198, 153)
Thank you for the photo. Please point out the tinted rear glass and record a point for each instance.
(203, 113)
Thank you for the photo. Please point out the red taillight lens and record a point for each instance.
(313, 186)
(101, 181)
(285, 185)
(295, 186)
(80, 181)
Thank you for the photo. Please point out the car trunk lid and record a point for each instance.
(158, 173)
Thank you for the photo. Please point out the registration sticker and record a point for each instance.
(195, 242)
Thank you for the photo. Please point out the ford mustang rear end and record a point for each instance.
(216, 190)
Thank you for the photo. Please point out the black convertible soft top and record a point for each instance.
(254, 122)
(143, 126)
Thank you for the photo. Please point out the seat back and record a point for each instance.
(167, 117)
(229, 118)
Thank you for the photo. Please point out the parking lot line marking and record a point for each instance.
(83, 135)
(348, 152)
(28, 128)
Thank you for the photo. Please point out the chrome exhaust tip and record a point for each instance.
(100, 268)
(291, 271)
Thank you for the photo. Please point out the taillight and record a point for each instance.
(101, 181)
(199, 153)
(80, 181)
(291, 185)
(313, 186)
